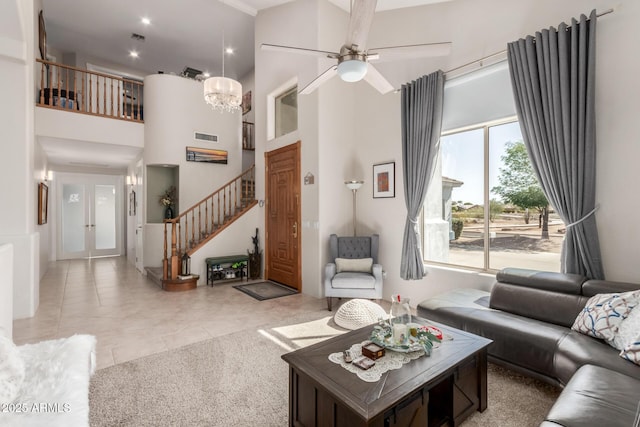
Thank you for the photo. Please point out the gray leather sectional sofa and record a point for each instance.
(528, 314)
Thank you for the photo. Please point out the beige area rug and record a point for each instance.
(240, 380)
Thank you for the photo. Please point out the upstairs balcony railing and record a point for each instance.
(64, 87)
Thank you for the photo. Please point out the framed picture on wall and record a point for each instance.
(43, 201)
(207, 155)
(246, 102)
(384, 180)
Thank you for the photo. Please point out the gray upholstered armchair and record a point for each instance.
(353, 270)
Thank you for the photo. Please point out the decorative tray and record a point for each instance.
(420, 338)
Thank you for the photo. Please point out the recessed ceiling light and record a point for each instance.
(133, 54)
(146, 21)
(229, 50)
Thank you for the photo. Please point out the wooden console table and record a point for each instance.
(442, 389)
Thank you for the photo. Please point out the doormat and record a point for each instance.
(265, 290)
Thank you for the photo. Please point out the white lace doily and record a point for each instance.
(390, 360)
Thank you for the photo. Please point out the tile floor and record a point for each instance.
(132, 317)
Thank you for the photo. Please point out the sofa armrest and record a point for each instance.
(329, 273)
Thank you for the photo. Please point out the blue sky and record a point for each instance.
(463, 157)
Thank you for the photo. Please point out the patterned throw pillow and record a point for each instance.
(628, 330)
(632, 352)
(601, 316)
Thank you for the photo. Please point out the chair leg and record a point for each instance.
(329, 303)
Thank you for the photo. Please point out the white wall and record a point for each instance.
(6, 290)
(174, 110)
(18, 225)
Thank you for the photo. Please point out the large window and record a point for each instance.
(484, 207)
(286, 117)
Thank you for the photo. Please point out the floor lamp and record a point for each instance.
(353, 185)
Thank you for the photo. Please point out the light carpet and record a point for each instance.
(240, 380)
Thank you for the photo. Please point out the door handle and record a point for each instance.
(295, 230)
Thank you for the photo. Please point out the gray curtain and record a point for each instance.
(421, 125)
(553, 78)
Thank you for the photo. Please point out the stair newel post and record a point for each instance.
(175, 259)
(165, 260)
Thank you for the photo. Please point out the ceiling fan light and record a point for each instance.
(352, 70)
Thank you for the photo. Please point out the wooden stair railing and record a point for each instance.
(194, 227)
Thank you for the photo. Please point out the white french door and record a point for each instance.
(90, 217)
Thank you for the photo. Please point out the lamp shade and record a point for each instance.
(223, 93)
(354, 185)
(352, 70)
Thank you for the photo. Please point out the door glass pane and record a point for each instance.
(518, 205)
(73, 218)
(105, 216)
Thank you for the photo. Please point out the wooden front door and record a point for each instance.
(282, 170)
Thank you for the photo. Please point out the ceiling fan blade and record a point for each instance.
(360, 23)
(377, 80)
(301, 50)
(413, 51)
(327, 75)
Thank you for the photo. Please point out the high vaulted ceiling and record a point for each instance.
(185, 33)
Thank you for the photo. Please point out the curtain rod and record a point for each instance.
(502, 52)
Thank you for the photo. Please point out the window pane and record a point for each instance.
(286, 112)
(517, 206)
(454, 200)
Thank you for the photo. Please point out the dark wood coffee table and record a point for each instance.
(442, 389)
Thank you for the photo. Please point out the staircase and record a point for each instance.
(196, 226)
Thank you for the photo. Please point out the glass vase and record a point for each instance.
(400, 317)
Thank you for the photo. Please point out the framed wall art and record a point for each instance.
(246, 103)
(42, 36)
(207, 155)
(132, 203)
(43, 202)
(384, 180)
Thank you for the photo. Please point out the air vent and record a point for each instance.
(138, 37)
(205, 137)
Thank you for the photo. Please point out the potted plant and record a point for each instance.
(168, 199)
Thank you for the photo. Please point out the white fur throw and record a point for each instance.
(11, 371)
(55, 391)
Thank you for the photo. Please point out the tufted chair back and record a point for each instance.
(353, 247)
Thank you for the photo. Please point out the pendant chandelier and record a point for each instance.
(223, 93)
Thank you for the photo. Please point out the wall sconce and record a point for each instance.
(129, 180)
(48, 176)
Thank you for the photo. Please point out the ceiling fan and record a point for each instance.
(354, 59)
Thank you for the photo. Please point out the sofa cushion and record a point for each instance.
(350, 280)
(541, 304)
(596, 397)
(603, 313)
(546, 280)
(11, 370)
(575, 350)
(359, 265)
